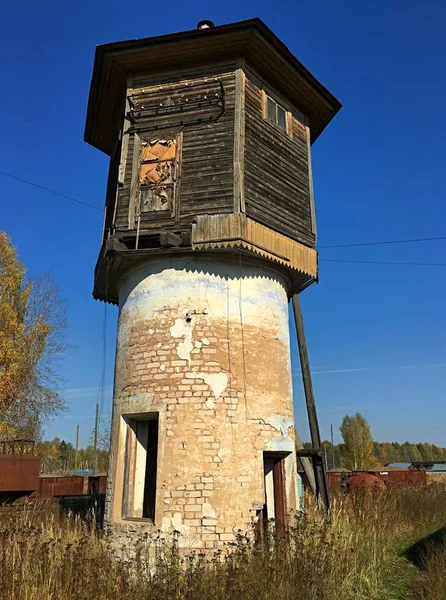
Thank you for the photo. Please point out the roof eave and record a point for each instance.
(251, 38)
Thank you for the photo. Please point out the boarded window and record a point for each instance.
(141, 464)
(157, 175)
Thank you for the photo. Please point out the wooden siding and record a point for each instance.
(229, 231)
(276, 169)
(122, 207)
(206, 183)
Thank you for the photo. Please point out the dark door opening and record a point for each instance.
(148, 507)
(140, 472)
(274, 482)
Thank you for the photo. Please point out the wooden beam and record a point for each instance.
(306, 463)
(239, 139)
(309, 452)
(310, 179)
(319, 471)
(134, 187)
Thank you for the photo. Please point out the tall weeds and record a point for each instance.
(356, 554)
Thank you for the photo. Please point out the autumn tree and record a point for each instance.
(358, 445)
(32, 327)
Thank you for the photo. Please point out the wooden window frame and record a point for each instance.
(135, 214)
(279, 487)
(131, 456)
(288, 131)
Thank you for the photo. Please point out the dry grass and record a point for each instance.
(356, 555)
(431, 585)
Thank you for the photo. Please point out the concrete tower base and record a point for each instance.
(203, 428)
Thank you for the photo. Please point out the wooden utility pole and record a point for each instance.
(95, 439)
(318, 465)
(77, 447)
(332, 448)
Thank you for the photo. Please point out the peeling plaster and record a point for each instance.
(168, 296)
(186, 538)
(284, 442)
(182, 329)
(175, 523)
(142, 398)
(216, 381)
(282, 424)
(208, 511)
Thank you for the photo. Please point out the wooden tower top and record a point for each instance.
(250, 39)
(209, 134)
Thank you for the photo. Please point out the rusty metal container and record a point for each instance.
(19, 469)
(339, 480)
(51, 486)
(19, 473)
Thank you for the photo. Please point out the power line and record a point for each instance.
(383, 262)
(50, 191)
(381, 243)
(378, 243)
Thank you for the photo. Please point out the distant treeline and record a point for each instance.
(386, 452)
(59, 456)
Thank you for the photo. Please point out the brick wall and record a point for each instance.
(208, 351)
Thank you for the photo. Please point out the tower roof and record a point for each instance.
(251, 40)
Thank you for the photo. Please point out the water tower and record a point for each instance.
(209, 229)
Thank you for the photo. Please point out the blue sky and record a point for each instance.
(376, 333)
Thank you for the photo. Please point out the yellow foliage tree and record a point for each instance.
(358, 445)
(32, 323)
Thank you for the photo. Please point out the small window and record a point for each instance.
(276, 113)
(141, 463)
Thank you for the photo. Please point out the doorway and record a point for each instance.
(274, 484)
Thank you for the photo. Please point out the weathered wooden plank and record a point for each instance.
(225, 231)
(204, 180)
(310, 177)
(239, 140)
(217, 69)
(134, 187)
(277, 184)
